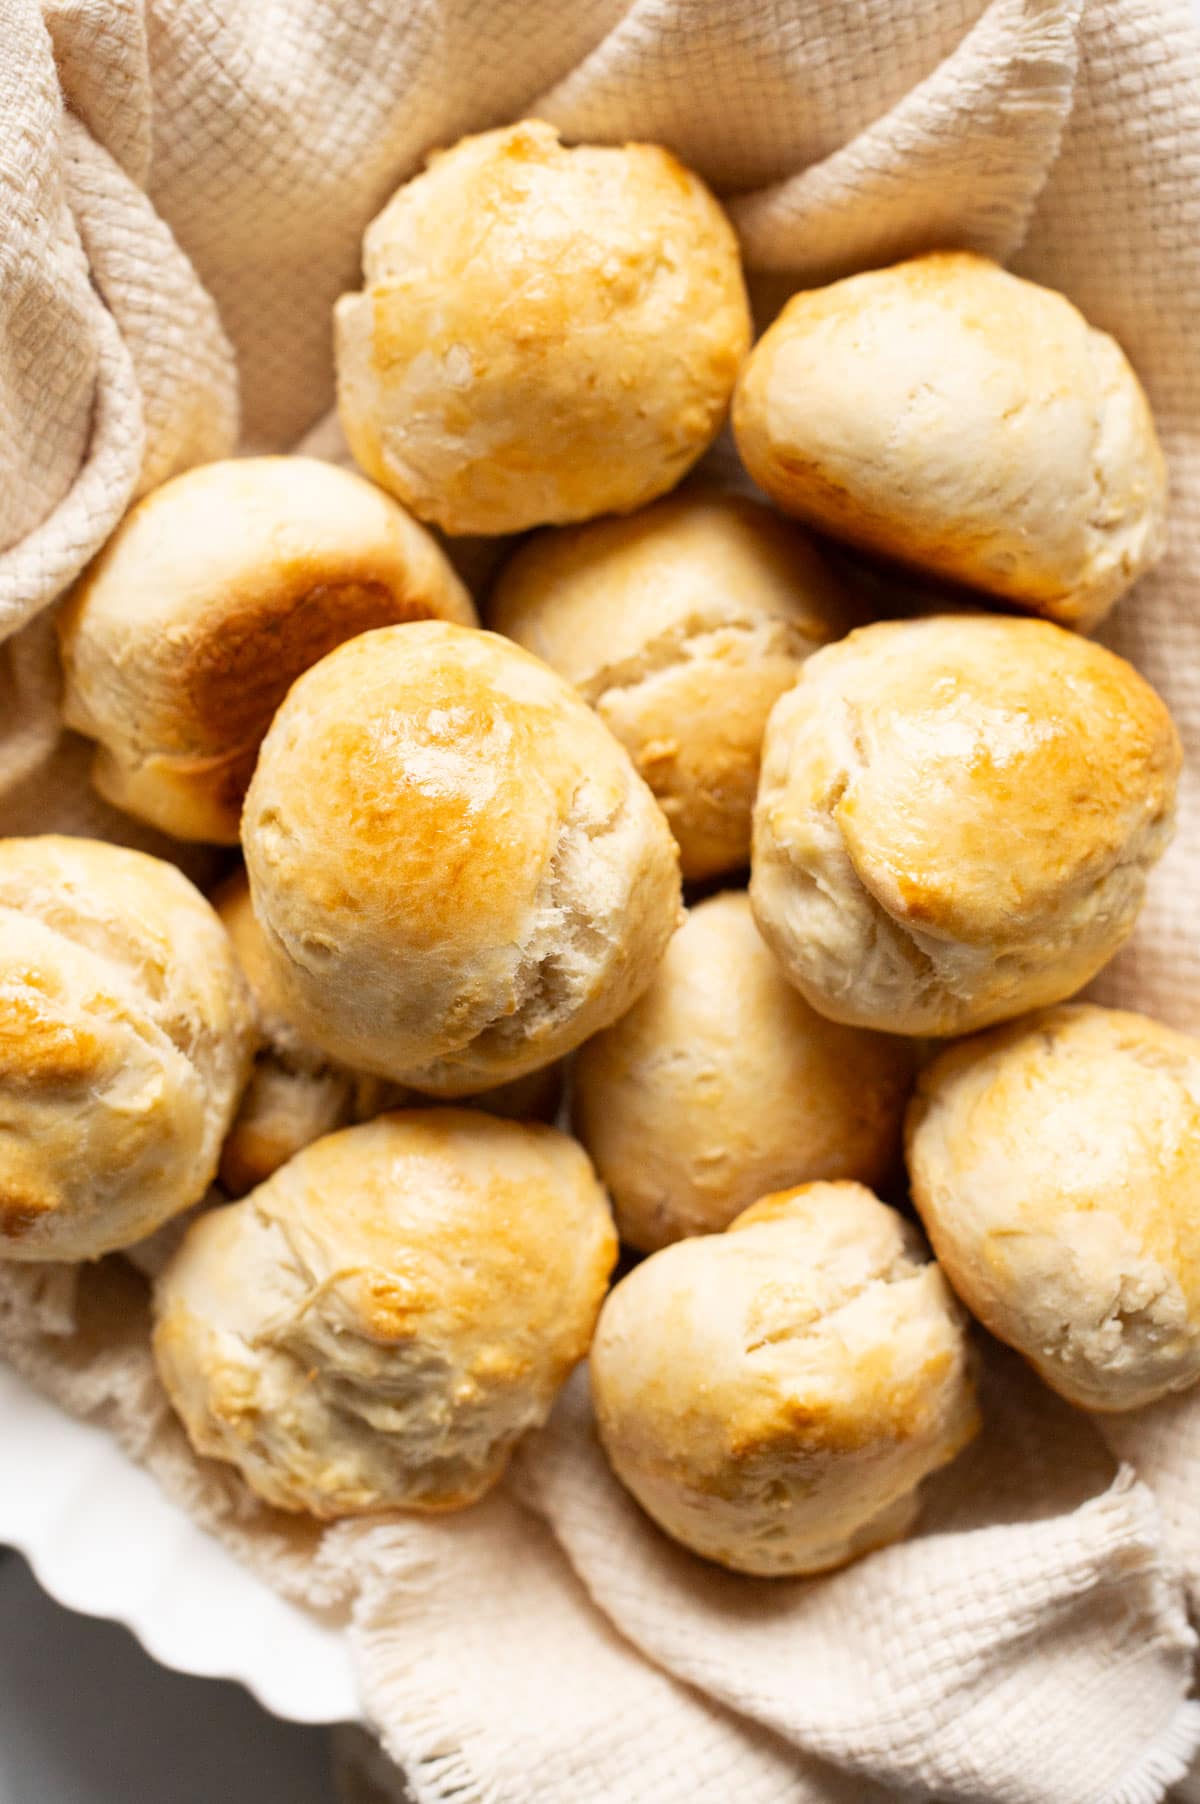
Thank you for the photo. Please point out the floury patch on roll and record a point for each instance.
(126, 1034)
(965, 422)
(774, 1396)
(458, 872)
(297, 1093)
(1056, 1166)
(721, 1084)
(378, 1325)
(956, 819)
(183, 636)
(682, 625)
(545, 333)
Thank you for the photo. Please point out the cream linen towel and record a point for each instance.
(183, 185)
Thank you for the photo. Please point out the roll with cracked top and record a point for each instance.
(774, 1396)
(956, 820)
(126, 1034)
(377, 1325)
(458, 872)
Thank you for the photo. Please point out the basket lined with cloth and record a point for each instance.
(185, 187)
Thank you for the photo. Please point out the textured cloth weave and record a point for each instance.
(183, 188)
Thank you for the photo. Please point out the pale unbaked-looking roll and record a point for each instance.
(544, 333)
(182, 637)
(966, 422)
(721, 1084)
(378, 1325)
(1056, 1165)
(773, 1396)
(682, 625)
(458, 872)
(125, 1037)
(956, 819)
(296, 1092)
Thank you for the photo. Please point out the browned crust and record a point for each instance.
(38, 1049)
(235, 678)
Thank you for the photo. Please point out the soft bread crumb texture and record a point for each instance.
(544, 334)
(458, 873)
(773, 1396)
(965, 422)
(1056, 1165)
(956, 820)
(180, 640)
(682, 625)
(721, 1084)
(126, 1035)
(377, 1325)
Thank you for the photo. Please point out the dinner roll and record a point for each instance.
(544, 333)
(721, 1084)
(956, 819)
(682, 626)
(963, 421)
(459, 874)
(296, 1092)
(125, 1036)
(535, 1096)
(182, 638)
(277, 1031)
(1056, 1165)
(773, 1396)
(377, 1325)
(283, 1109)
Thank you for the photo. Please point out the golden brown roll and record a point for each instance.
(544, 333)
(378, 1325)
(283, 1109)
(296, 1092)
(459, 874)
(956, 819)
(773, 1396)
(125, 1037)
(277, 1032)
(181, 639)
(965, 422)
(969, 424)
(1056, 1165)
(682, 626)
(721, 1084)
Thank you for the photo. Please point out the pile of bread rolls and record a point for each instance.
(463, 852)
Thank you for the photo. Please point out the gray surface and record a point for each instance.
(87, 1718)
